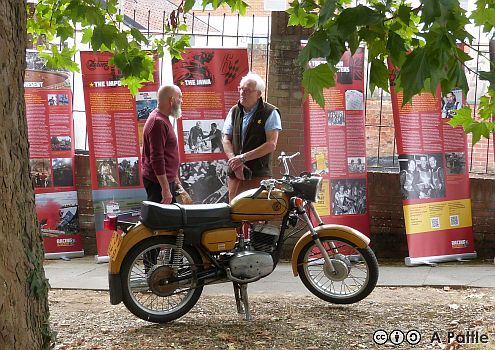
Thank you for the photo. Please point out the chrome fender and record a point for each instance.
(329, 230)
(135, 235)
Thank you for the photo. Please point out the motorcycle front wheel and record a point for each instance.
(355, 275)
(150, 288)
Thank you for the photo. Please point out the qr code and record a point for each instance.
(435, 222)
(454, 220)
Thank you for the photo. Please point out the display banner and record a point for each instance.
(115, 120)
(433, 177)
(209, 79)
(48, 99)
(336, 145)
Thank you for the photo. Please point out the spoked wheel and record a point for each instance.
(355, 275)
(150, 290)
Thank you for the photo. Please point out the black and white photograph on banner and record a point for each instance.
(60, 143)
(41, 172)
(348, 196)
(356, 164)
(62, 172)
(145, 103)
(205, 181)
(203, 136)
(451, 101)
(106, 172)
(34, 61)
(336, 118)
(128, 171)
(354, 100)
(455, 163)
(422, 176)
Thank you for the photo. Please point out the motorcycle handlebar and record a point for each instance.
(284, 156)
(257, 193)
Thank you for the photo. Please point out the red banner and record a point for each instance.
(48, 99)
(434, 178)
(208, 79)
(337, 145)
(115, 120)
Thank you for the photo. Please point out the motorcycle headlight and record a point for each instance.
(308, 188)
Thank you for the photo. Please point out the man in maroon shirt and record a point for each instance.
(160, 154)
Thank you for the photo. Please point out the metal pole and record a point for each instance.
(208, 29)
(223, 27)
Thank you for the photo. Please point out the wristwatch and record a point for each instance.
(243, 158)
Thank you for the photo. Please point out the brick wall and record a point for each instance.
(284, 86)
(85, 203)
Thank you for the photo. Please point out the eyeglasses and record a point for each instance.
(245, 90)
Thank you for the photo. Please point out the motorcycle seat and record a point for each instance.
(196, 217)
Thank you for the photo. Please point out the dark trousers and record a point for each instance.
(154, 194)
(154, 190)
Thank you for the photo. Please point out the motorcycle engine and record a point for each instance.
(263, 237)
(249, 264)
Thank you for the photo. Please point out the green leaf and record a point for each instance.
(379, 75)
(463, 117)
(188, 5)
(484, 15)
(112, 6)
(489, 76)
(139, 36)
(404, 13)
(414, 73)
(326, 11)
(316, 79)
(87, 35)
(397, 48)
(316, 47)
(430, 11)
(360, 15)
(133, 83)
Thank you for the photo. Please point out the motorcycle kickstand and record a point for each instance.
(241, 296)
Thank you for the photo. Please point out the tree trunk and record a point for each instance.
(23, 286)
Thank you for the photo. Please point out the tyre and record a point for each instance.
(355, 276)
(149, 290)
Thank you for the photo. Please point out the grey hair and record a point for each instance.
(251, 76)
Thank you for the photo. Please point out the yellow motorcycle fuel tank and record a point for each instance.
(243, 207)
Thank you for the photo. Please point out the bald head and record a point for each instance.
(170, 100)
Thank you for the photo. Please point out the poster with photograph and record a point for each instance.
(115, 120)
(337, 145)
(202, 136)
(48, 98)
(208, 78)
(205, 181)
(434, 182)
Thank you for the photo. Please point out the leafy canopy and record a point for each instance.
(423, 41)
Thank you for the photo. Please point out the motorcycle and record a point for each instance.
(159, 266)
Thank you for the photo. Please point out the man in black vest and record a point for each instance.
(250, 136)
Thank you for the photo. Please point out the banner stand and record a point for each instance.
(439, 259)
(101, 259)
(61, 255)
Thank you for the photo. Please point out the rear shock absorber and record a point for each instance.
(179, 242)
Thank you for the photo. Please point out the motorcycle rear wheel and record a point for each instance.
(143, 271)
(356, 271)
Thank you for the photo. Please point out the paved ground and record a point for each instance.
(85, 273)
